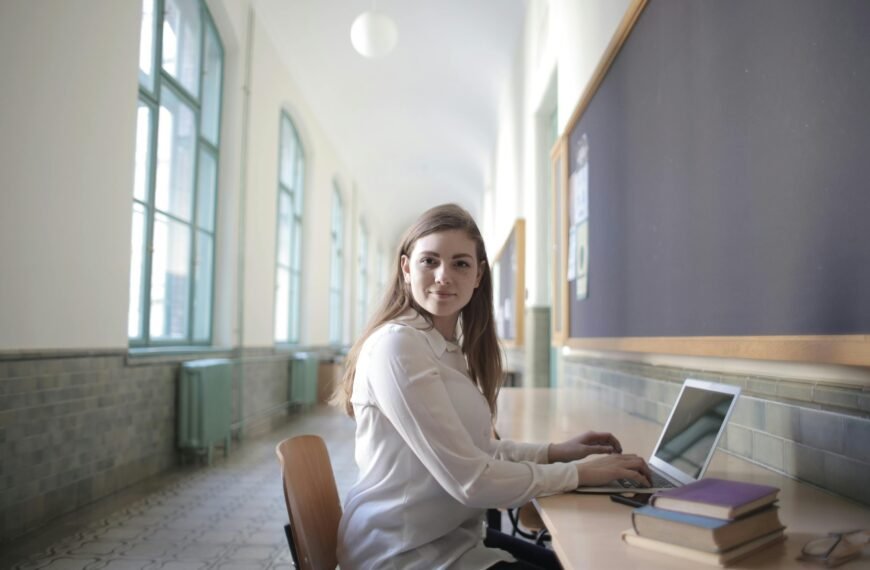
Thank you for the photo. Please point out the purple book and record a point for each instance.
(717, 498)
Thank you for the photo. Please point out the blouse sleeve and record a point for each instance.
(509, 450)
(405, 382)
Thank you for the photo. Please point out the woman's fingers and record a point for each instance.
(603, 438)
(635, 476)
(636, 469)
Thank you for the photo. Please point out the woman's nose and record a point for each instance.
(442, 274)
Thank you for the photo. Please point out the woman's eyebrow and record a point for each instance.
(436, 254)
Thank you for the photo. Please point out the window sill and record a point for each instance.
(173, 354)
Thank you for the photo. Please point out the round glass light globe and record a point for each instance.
(373, 34)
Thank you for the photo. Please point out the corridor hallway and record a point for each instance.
(229, 515)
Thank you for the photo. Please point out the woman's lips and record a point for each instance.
(442, 294)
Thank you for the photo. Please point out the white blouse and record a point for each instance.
(429, 466)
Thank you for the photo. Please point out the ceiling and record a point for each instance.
(417, 127)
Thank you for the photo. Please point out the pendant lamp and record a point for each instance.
(373, 34)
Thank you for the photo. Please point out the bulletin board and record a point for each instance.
(723, 151)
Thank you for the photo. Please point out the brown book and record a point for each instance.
(723, 558)
(703, 533)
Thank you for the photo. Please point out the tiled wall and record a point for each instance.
(261, 385)
(75, 427)
(814, 432)
(537, 334)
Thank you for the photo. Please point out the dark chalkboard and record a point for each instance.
(729, 174)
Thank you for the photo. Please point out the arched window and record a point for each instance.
(175, 188)
(336, 273)
(363, 288)
(288, 266)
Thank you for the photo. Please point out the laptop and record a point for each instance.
(688, 439)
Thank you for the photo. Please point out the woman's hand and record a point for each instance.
(582, 446)
(602, 470)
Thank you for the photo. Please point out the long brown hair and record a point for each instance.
(479, 342)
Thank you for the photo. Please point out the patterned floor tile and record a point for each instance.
(228, 516)
(124, 564)
(154, 550)
(174, 565)
(236, 565)
(99, 548)
(67, 563)
(252, 552)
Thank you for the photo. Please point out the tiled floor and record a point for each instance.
(227, 516)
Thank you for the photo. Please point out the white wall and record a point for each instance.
(272, 89)
(67, 132)
(561, 37)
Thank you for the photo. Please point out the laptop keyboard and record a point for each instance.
(657, 482)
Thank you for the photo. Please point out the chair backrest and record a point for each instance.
(312, 500)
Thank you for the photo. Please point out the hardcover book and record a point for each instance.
(703, 533)
(723, 558)
(717, 498)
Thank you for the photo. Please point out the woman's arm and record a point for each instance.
(584, 445)
(573, 449)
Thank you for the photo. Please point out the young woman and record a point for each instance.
(422, 383)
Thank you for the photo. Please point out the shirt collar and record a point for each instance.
(438, 343)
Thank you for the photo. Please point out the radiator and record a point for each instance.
(205, 406)
(303, 378)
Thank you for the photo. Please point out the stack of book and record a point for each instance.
(712, 521)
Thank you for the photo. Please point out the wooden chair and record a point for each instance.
(312, 502)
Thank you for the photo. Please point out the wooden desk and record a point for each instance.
(586, 528)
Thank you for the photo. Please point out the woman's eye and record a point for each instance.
(427, 260)
(463, 265)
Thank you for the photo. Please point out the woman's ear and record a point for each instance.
(479, 273)
(406, 268)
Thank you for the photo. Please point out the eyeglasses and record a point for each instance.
(836, 548)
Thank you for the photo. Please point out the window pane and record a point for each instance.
(288, 152)
(182, 27)
(202, 293)
(146, 45)
(294, 303)
(143, 152)
(282, 300)
(170, 279)
(296, 261)
(207, 188)
(211, 86)
(284, 229)
(176, 144)
(300, 185)
(137, 265)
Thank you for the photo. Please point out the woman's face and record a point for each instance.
(443, 273)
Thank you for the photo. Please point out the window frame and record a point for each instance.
(151, 96)
(336, 278)
(294, 303)
(363, 276)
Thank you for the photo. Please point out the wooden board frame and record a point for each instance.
(518, 234)
(849, 349)
(558, 223)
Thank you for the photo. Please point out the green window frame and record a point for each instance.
(336, 273)
(288, 256)
(363, 267)
(174, 226)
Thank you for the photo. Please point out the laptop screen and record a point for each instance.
(693, 429)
